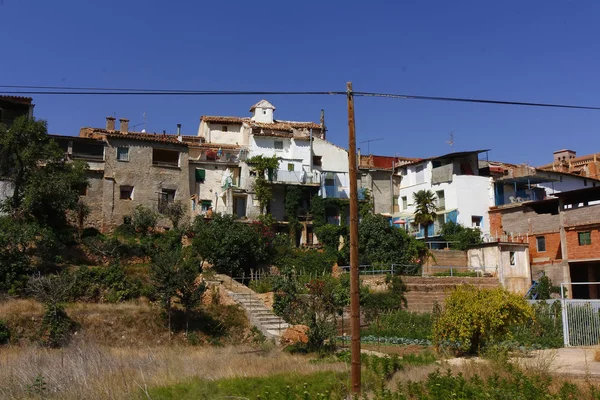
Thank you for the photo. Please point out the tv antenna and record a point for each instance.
(368, 142)
(451, 141)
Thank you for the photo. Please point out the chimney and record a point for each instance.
(323, 124)
(178, 129)
(110, 123)
(124, 125)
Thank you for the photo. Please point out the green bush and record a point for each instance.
(56, 328)
(4, 332)
(544, 331)
(108, 283)
(402, 324)
(474, 317)
(144, 220)
(462, 237)
(391, 299)
(307, 262)
(263, 285)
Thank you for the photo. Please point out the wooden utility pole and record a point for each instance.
(354, 279)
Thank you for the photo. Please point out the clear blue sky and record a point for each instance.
(539, 51)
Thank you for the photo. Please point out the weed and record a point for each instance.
(4, 332)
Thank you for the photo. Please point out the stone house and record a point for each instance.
(127, 169)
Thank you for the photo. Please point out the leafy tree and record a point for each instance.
(163, 272)
(474, 317)
(462, 236)
(231, 247)
(189, 291)
(144, 220)
(426, 207)
(381, 243)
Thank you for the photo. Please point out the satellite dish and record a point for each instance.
(143, 131)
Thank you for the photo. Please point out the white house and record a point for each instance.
(463, 194)
(305, 158)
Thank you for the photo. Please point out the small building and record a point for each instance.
(566, 160)
(127, 169)
(563, 236)
(377, 175)
(509, 261)
(464, 192)
(12, 107)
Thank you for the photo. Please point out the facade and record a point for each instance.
(509, 261)
(224, 180)
(377, 176)
(127, 169)
(567, 161)
(562, 236)
(464, 192)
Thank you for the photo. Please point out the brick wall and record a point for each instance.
(496, 227)
(556, 271)
(553, 249)
(448, 258)
(577, 252)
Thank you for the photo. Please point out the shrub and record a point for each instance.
(144, 220)
(402, 324)
(103, 283)
(462, 237)
(263, 285)
(4, 332)
(474, 317)
(544, 331)
(392, 299)
(544, 289)
(56, 327)
(308, 262)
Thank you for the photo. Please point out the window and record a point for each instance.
(122, 153)
(330, 181)
(165, 197)
(88, 151)
(224, 128)
(205, 205)
(585, 182)
(420, 174)
(585, 238)
(165, 158)
(404, 202)
(278, 144)
(290, 167)
(441, 200)
(541, 243)
(476, 221)
(317, 161)
(512, 258)
(126, 193)
(265, 112)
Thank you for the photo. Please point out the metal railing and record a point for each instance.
(394, 269)
(298, 177)
(479, 271)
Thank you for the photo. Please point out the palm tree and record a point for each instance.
(426, 207)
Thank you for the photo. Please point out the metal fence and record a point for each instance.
(581, 318)
(380, 269)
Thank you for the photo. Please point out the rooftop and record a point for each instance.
(16, 99)
(277, 125)
(457, 154)
(143, 136)
(383, 162)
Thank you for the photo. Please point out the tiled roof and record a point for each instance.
(148, 137)
(383, 162)
(17, 99)
(219, 146)
(277, 125)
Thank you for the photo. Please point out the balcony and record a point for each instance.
(295, 178)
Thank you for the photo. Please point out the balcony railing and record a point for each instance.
(296, 177)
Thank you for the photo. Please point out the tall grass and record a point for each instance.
(84, 371)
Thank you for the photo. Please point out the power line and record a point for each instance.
(69, 90)
(467, 100)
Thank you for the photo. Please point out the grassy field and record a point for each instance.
(82, 371)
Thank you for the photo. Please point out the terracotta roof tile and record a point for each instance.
(148, 137)
(383, 162)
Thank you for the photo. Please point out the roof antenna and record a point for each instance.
(368, 142)
(451, 141)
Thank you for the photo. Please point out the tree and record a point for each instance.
(426, 207)
(381, 243)
(462, 237)
(163, 272)
(175, 211)
(231, 247)
(53, 291)
(44, 185)
(474, 317)
(82, 211)
(189, 291)
(144, 220)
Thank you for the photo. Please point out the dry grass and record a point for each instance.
(85, 371)
(597, 355)
(132, 324)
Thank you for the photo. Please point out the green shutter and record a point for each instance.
(200, 174)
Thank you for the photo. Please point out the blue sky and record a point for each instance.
(538, 51)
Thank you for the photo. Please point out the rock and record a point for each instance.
(295, 334)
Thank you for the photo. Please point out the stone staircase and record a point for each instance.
(258, 314)
(425, 291)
